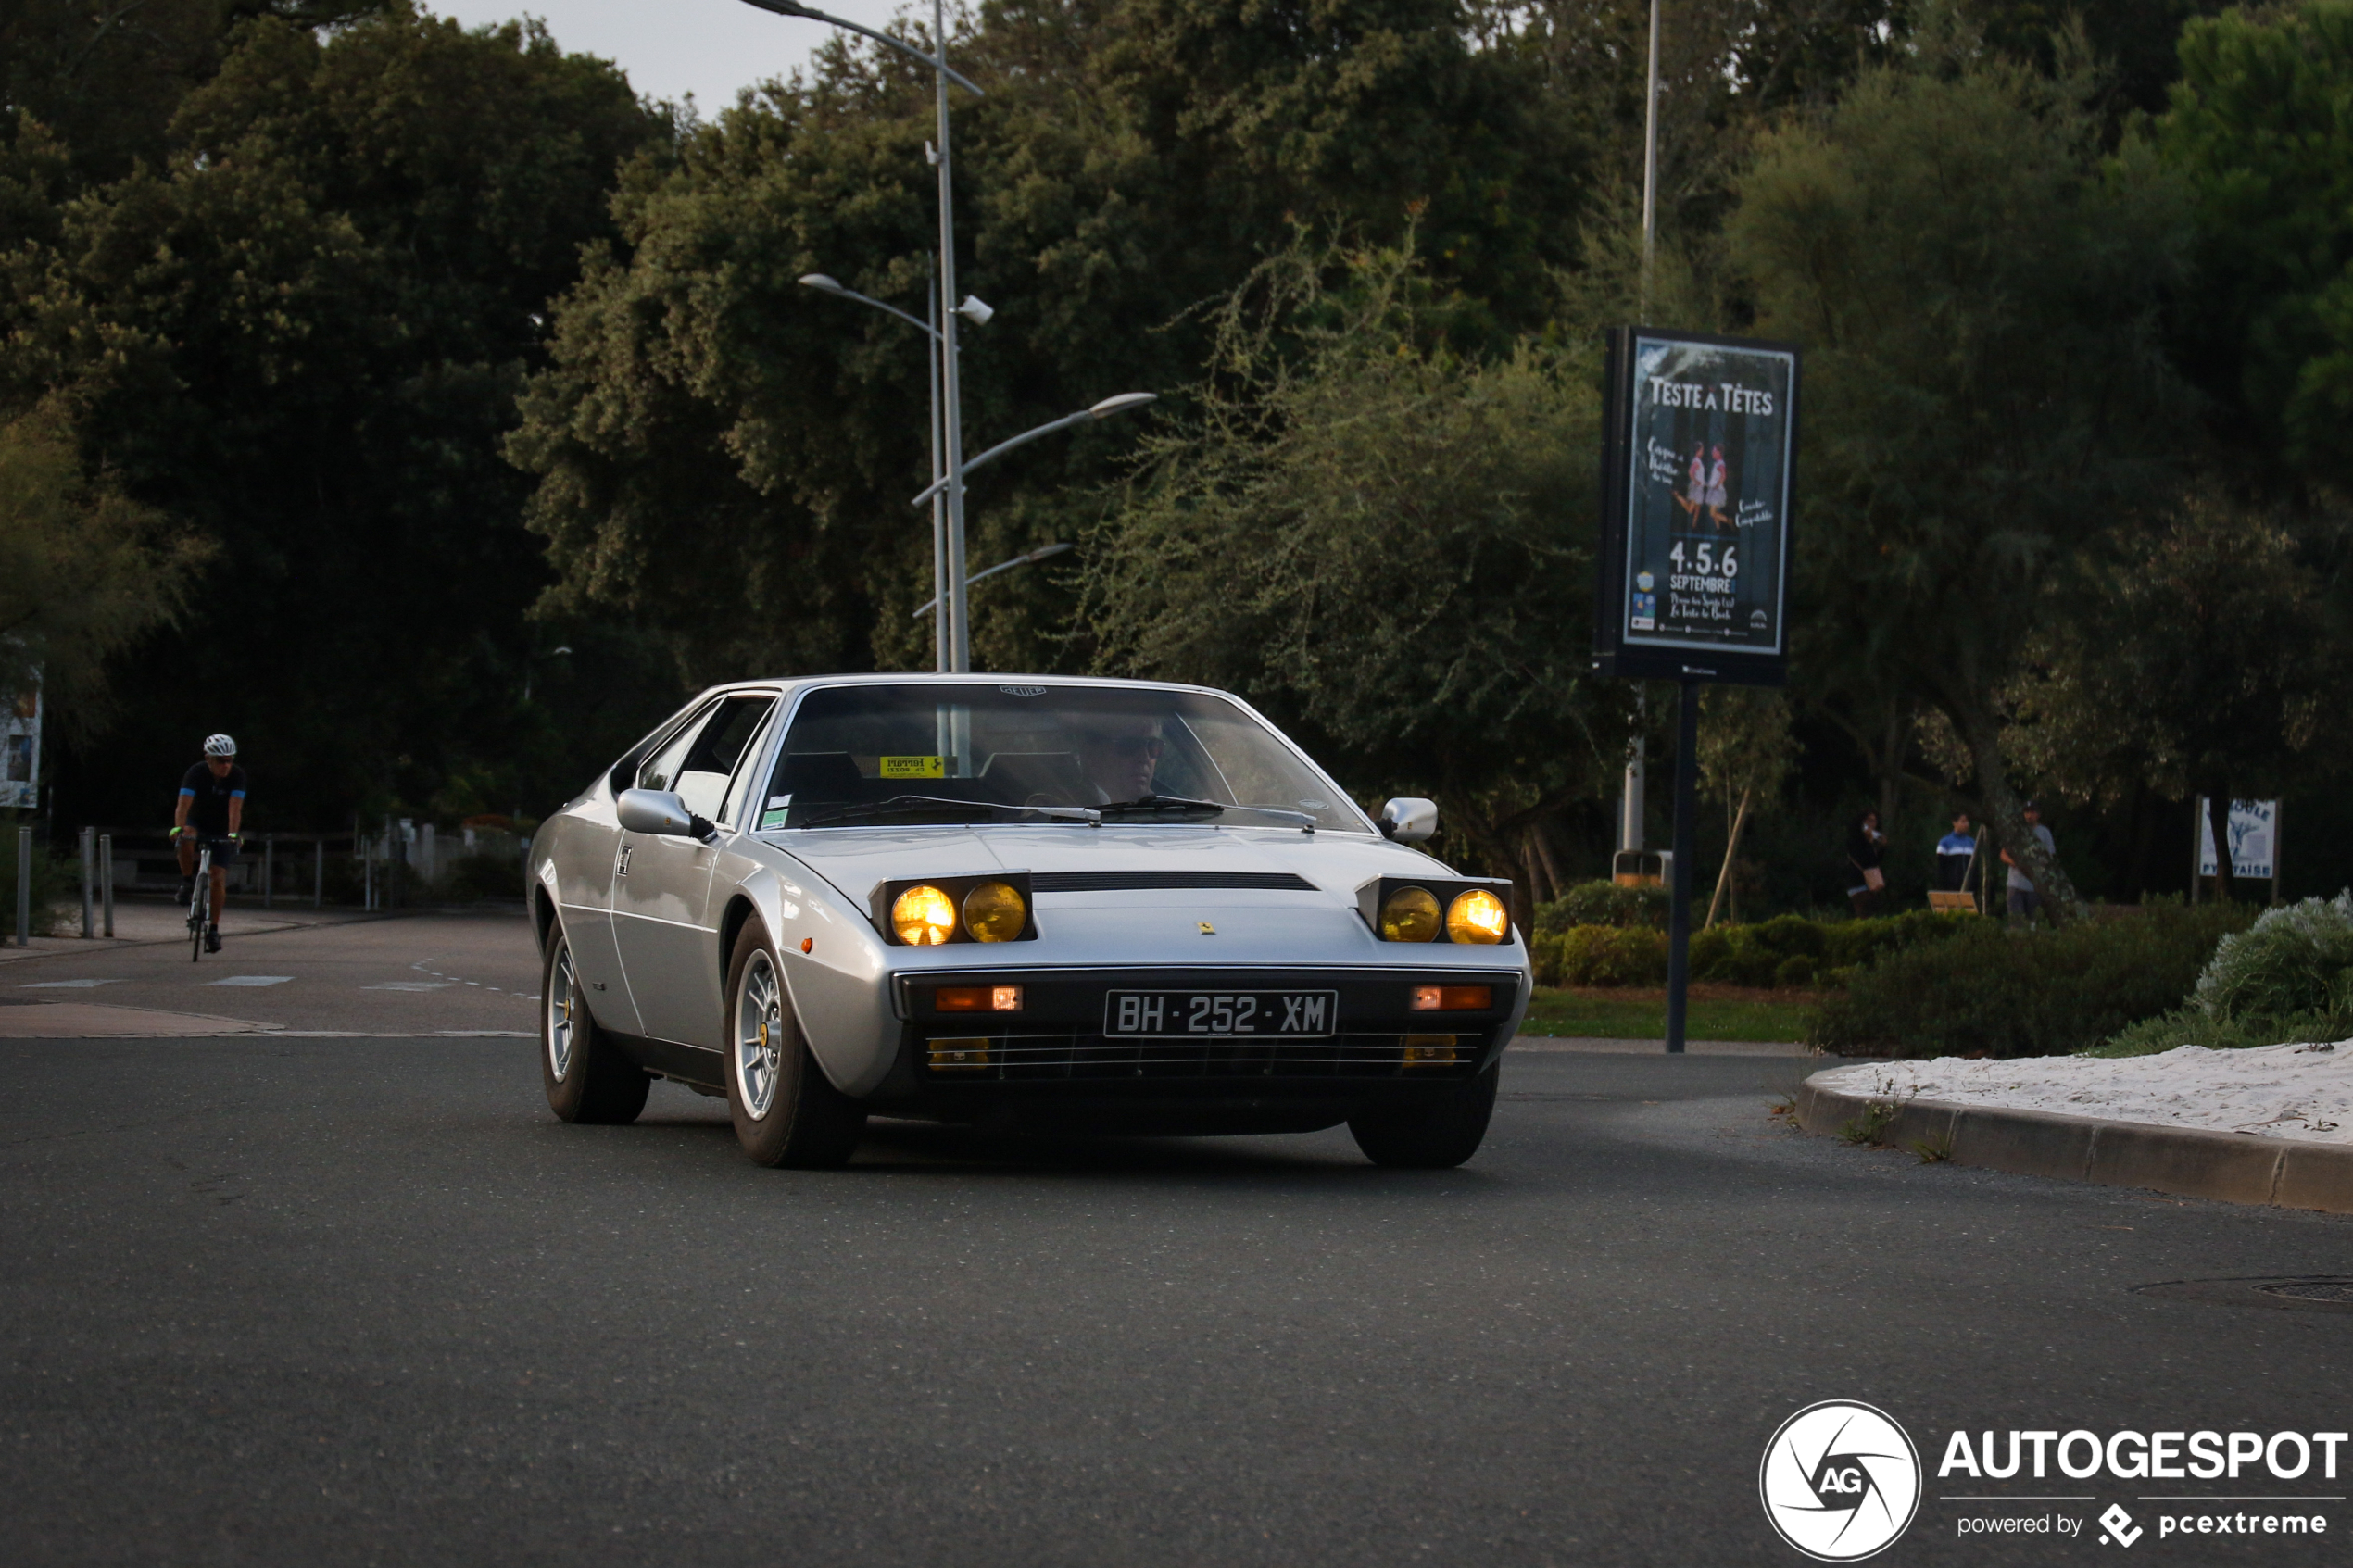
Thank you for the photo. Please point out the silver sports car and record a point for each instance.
(1013, 901)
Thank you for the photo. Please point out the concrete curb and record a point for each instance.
(2233, 1167)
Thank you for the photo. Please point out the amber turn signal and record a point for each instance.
(1431, 1050)
(1453, 999)
(958, 1056)
(976, 998)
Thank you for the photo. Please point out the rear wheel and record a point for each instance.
(586, 1077)
(1431, 1135)
(786, 1111)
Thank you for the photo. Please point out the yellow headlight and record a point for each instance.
(994, 912)
(1410, 914)
(1476, 916)
(924, 917)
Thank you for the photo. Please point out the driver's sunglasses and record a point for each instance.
(1137, 746)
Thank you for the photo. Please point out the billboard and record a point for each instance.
(1699, 459)
(20, 752)
(2255, 839)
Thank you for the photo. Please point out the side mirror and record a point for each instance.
(658, 812)
(1409, 821)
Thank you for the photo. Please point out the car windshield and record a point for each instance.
(958, 753)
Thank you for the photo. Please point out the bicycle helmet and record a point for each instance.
(220, 745)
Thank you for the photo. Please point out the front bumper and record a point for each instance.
(1052, 1061)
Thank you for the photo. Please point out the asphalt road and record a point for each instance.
(306, 1300)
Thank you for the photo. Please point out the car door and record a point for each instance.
(662, 889)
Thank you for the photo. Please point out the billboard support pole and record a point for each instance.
(1678, 907)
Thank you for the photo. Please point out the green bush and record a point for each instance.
(1788, 950)
(2297, 960)
(1981, 991)
(2288, 977)
(1796, 971)
(1604, 903)
(474, 877)
(1789, 936)
(1603, 955)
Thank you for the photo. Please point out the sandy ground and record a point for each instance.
(2293, 1091)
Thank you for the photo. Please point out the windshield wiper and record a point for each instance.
(903, 805)
(1215, 808)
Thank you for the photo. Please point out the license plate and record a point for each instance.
(1184, 1015)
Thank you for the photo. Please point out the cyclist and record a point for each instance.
(212, 804)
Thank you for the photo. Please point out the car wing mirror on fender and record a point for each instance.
(1409, 819)
(661, 812)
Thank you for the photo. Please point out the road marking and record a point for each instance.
(409, 986)
(66, 985)
(251, 979)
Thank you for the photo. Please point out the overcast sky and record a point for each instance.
(673, 47)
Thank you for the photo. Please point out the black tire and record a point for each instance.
(786, 1111)
(1433, 1134)
(586, 1077)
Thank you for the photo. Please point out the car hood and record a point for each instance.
(1334, 864)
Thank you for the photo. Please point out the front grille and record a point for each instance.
(1045, 1056)
(1121, 882)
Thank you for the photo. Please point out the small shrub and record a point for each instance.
(1604, 903)
(1796, 971)
(1978, 991)
(2295, 960)
(1602, 955)
(1791, 935)
(485, 877)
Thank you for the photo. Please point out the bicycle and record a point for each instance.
(200, 901)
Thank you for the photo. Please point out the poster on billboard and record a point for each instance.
(1698, 476)
(20, 752)
(2255, 838)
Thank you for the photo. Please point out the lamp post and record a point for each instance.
(975, 310)
(951, 426)
(1117, 404)
(1042, 552)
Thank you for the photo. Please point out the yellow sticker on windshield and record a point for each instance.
(913, 768)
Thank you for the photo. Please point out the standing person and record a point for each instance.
(2025, 897)
(1866, 846)
(1954, 853)
(211, 806)
(1694, 495)
(1718, 493)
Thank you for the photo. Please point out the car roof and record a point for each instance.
(918, 677)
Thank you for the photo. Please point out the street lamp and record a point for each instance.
(953, 426)
(1042, 552)
(1118, 403)
(976, 312)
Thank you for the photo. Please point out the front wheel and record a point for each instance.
(1432, 1134)
(581, 1067)
(199, 908)
(784, 1111)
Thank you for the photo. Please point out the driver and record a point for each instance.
(1120, 752)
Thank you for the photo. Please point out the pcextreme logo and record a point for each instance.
(1840, 1481)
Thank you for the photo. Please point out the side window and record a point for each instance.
(660, 770)
(739, 791)
(706, 765)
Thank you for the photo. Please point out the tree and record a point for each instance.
(2262, 130)
(1379, 540)
(1979, 298)
(714, 441)
(1745, 752)
(84, 572)
(303, 341)
(2203, 660)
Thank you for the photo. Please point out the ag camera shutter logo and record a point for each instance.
(1840, 1481)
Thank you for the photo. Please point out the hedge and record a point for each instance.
(1989, 993)
(1788, 950)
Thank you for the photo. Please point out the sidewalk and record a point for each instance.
(146, 922)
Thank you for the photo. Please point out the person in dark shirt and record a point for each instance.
(212, 806)
(1865, 847)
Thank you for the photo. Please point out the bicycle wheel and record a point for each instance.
(200, 907)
